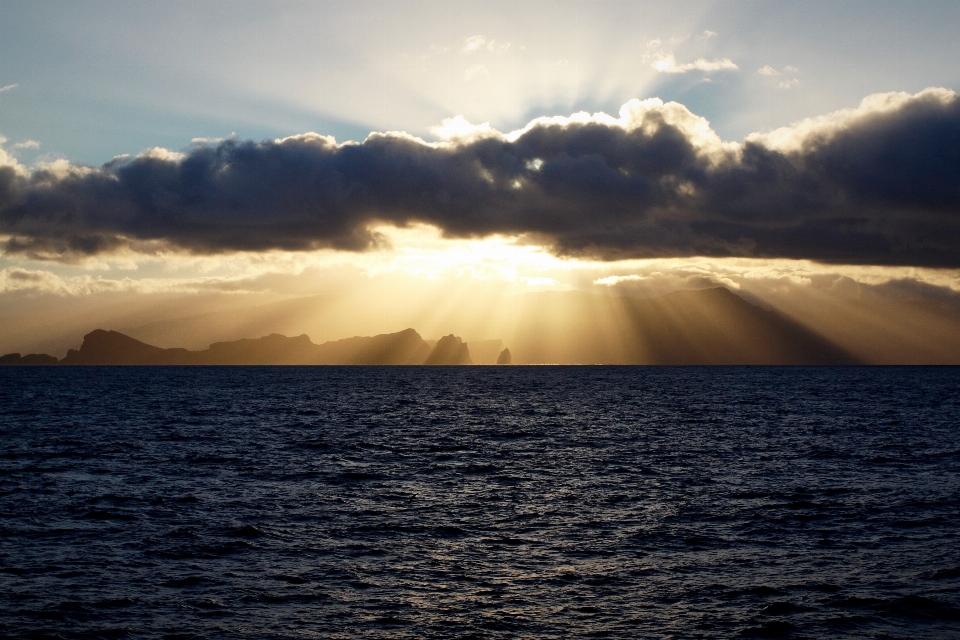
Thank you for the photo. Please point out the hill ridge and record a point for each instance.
(404, 347)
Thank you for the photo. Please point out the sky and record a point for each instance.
(278, 149)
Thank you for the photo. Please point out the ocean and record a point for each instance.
(479, 502)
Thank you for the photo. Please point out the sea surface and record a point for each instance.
(479, 502)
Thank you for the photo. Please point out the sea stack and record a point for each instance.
(504, 357)
(450, 350)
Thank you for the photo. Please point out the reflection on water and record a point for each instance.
(479, 502)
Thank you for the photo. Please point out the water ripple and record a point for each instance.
(479, 502)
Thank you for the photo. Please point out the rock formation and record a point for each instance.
(30, 358)
(272, 349)
(449, 350)
(693, 327)
(112, 347)
(404, 347)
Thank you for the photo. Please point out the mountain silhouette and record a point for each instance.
(271, 349)
(694, 327)
(709, 326)
(111, 347)
(30, 358)
(404, 347)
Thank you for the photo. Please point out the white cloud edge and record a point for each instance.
(479, 42)
(668, 64)
(633, 115)
(822, 128)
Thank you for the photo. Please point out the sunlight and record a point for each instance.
(496, 287)
(421, 250)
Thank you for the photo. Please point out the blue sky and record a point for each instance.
(87, 81)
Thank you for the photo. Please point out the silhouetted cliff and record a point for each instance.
(404, 347)
(30, 358)
(112, 347)
(272, 349)
(449, 350)
(712, 326)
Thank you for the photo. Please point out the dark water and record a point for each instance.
(550, 502)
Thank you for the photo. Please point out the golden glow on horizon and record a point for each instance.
(477, 288)
(419, 253)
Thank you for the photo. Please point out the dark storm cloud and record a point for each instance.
(880, 185)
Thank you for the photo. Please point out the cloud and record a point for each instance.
(473, 43)
(610, 281)
(788, 83)
(668, 64)
(459, 129)
(9, 165)
(871, 185)
(767, 70)
(662, 277)
(480, 43)
(15, 280)
(27, 144)
(8, 87)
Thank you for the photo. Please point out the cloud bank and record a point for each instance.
(872, 185)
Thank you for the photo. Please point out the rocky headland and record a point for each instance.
(101, 347)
